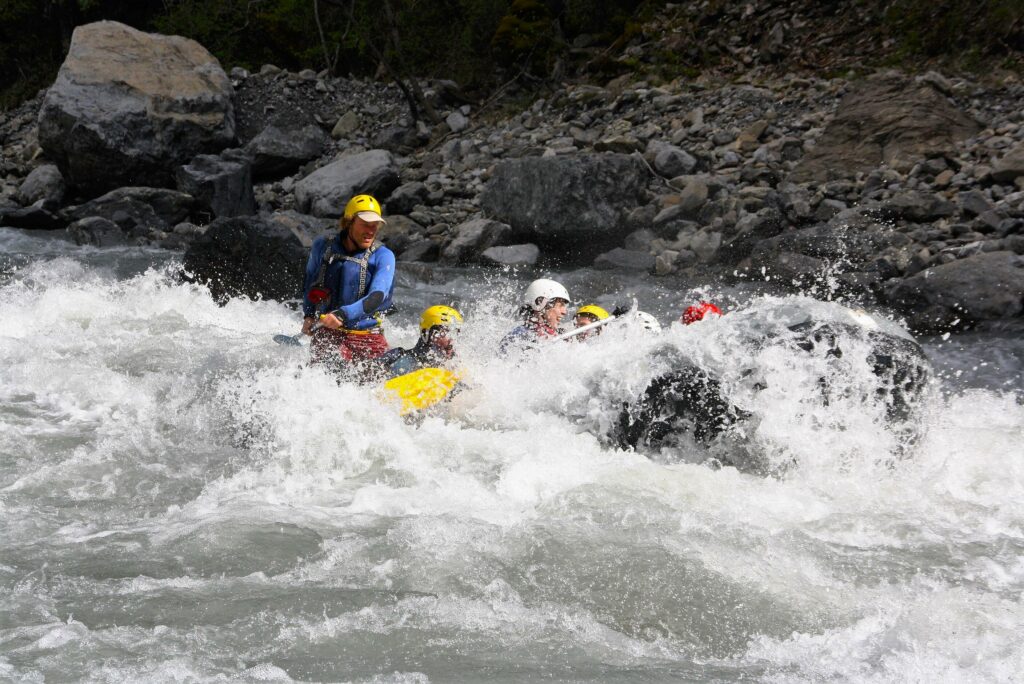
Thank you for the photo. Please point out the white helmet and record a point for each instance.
(648, 321)
(540, 293)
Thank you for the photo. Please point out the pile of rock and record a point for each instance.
(906, 190)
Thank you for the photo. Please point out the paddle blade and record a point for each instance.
(420, 389)
(288, 340)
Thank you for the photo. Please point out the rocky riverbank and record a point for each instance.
(905, 190)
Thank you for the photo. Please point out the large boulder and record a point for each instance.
(834, 242)
(573, 205)
(222, 185)
(278, 150)
(885, 120)
(326, 191)
(248, 257)
(986, 286)
(129, 106)
(137, 210)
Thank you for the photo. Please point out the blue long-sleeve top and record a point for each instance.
(342, 278)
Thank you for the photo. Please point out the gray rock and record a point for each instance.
(748, 138)
(278, 151)
(671, 161)
(792, 269)
(664, 263)
(987, 221)
(748, 233)
(973, 203)
(128, 105)
(426, 251)
(642, 217)
(347, 124)
(919, 207)
(457, 121)
(472, 238)
(1010, 167)
(573, 204)
(693, 196)
(397, 138)
(885, 120)
(847, 247)
(304, 227)
(400, 232)
(512, 255)
(137, 208)
(722, 137)
(221, 184)
(405, 198)
(35, 217)
(639, 240)
(326, 191)
(45, 183)
(96, 231)
(250, 257)
(625, 259)
(705, 245)
(620, 144)
(829, 208)
(987, 286)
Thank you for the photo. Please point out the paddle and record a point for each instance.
(420, 389)
(294, 340)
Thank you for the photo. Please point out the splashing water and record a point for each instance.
(181, 499)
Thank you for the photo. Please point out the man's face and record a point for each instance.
(441, 338)
(584, 319)
(555, 312)
(362, 233)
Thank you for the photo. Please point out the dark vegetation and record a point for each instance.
(486, 44)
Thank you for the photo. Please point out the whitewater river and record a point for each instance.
(181, 499)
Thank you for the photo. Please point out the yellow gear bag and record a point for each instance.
(421, 388)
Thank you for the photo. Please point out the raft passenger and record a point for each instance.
(439, 325)
(544, 306)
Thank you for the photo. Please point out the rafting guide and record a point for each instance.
(348, 289)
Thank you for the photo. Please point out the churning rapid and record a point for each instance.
(183, 500)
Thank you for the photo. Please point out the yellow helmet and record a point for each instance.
(365, 207)
(594, 310)
(439, 315)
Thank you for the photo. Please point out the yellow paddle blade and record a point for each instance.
(420, 389)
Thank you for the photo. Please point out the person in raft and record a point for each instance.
(439, 325)
(587, 315)
(698, 311)
(544, 306)
(350, 280)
